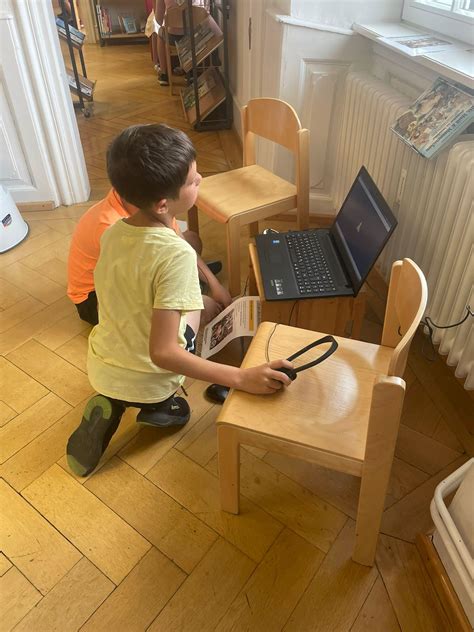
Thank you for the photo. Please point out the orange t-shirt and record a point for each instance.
(85, 244)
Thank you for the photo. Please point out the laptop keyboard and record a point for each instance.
(309, 264)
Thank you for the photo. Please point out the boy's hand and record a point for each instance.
(211, 309)
(220, 295)
(263, 379)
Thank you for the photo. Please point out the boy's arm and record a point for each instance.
(216, 289)
(166, 353)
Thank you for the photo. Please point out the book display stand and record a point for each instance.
(203, 54)
(79, 84)
(120, 21)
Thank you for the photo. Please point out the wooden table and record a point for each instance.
(341, 316)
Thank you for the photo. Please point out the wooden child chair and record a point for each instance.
(245, 196)
(343, 414)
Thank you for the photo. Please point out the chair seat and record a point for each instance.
(327, 407)
(233, 192)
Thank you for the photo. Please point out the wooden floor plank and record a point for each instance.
(162, 521)
(109, 542)
(17, 598)
(411, 514)
(252, 531)
(337, 591)
(377, 614)
(269, 597)
(19, 390)
(422, 451)
(34, 283)
(290, 503)
(5, 564)
(139, 598)
(409, 587)
(30, 423)
(25, 466)
(207, 593)
(42, 554)
(53, 372)
(71, 602)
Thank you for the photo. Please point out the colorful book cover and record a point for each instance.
(436, 117)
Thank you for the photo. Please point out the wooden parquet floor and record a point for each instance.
(141, 544)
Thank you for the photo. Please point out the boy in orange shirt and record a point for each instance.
(84, 253)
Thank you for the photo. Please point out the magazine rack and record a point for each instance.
(79, 84)
(203, 53)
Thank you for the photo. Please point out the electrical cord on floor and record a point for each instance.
(430, 325)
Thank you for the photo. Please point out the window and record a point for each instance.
(454, 18)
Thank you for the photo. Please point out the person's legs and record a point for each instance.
(88, 310)
(162, 60)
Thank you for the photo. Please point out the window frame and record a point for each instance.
(449, 23)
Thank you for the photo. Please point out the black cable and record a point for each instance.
(430, 325)
(291, 312)
(267, 358)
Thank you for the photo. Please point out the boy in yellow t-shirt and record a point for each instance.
(149, 298)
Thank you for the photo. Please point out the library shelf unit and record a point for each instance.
(120, 21)
(79, 84)
(203, 53)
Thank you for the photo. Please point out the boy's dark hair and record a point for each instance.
(147, 163)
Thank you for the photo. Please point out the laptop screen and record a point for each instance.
(362, 228)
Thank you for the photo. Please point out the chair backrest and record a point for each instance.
(406, 304)
(277, 121)
(175, 16)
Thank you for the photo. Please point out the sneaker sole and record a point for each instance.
(85, 445)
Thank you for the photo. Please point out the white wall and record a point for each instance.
(344, 13)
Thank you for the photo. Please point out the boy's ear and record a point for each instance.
(161, 206)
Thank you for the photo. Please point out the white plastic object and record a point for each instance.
(13, 228)
(453, 538)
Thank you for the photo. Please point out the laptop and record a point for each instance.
(326, 262)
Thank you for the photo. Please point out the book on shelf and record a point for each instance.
(202, 34)
(104, 21)
(205, 83)
(128, 24)
(419, 44)
(86, 85)
(439, 115)
(77, 37)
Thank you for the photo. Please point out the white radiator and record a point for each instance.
(434, 210)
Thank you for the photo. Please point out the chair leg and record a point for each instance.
(193, 219)
(253, 229)
(229, 469)
(233, 257)
(384, 421)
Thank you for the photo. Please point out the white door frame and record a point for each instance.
(49, 103)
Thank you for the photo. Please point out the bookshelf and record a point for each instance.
(203, 54)
(120, 21)
(79, 84)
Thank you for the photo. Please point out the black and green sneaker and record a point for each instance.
(89, 441)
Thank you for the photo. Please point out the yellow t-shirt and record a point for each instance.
(139, 268)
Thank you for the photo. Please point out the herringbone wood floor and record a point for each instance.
(141, 544)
